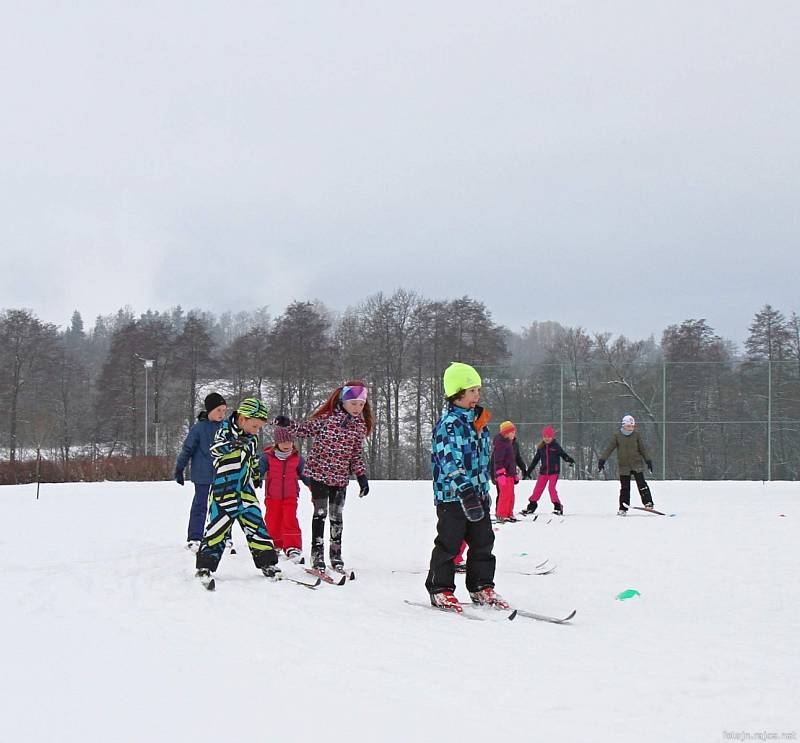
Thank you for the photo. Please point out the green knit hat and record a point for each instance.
(459, 377)
(252, 407)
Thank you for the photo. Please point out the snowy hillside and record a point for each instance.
(108, 637)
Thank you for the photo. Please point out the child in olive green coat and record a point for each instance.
(632, 457)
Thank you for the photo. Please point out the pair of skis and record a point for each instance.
(209, 583)
(543, 568)
(542, 518)
(648, 510)
(468, 611)
(341, 577)
(322, 576)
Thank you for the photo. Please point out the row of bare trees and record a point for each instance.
(76, 394)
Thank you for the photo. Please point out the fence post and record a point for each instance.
(769, 420)
(561, 403)
(663, 420)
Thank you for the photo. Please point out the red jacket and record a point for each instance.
(282, 475)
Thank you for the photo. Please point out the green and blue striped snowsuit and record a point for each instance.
(233, 498)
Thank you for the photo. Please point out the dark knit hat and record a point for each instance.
(283, 435)
(214, 400)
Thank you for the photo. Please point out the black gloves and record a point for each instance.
(649, 465)
(364, 483)
(601, 464)
(472, 503)
(282, 421)
(178, 477)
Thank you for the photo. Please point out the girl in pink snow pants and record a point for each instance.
(549, 454)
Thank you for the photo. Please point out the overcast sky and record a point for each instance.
(617, 165)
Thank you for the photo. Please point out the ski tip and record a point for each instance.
(352, 575)
(341, 582)
(211, 585)
(513, 615)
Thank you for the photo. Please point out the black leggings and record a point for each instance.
(327, 500)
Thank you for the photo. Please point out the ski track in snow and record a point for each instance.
(107, 636)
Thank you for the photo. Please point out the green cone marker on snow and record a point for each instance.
(628, 594)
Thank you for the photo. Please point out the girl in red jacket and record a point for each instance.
(281, 468)
(338, 427)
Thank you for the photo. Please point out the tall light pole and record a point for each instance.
(148, 364)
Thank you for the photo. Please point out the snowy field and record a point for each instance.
(106, 635)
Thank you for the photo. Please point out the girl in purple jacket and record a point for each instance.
(504, 461)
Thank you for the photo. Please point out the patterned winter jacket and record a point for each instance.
(550, 455)
(460, 452)
(336, 449)
(235, 457)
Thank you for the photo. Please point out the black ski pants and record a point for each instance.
(625, 489)
(452, 529)
(327, 500)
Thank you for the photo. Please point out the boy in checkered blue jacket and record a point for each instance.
(460, 452)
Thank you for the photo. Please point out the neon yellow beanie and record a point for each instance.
(459, 377)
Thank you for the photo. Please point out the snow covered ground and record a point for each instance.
(106, 635)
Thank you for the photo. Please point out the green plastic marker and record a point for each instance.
(628, 594)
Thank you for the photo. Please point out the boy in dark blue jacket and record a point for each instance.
(197, 449)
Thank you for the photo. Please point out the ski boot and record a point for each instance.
(649, 506)
(558, 509)
(622, 512)
(488, 597)
(295, 555)
(530, 508)
(206, 578)
(273, 572)
(446, 601)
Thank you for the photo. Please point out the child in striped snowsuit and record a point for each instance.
(233, 496)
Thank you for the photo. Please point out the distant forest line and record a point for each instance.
(82, 403)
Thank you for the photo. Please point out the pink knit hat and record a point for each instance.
(548, 432)
(283, 435)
